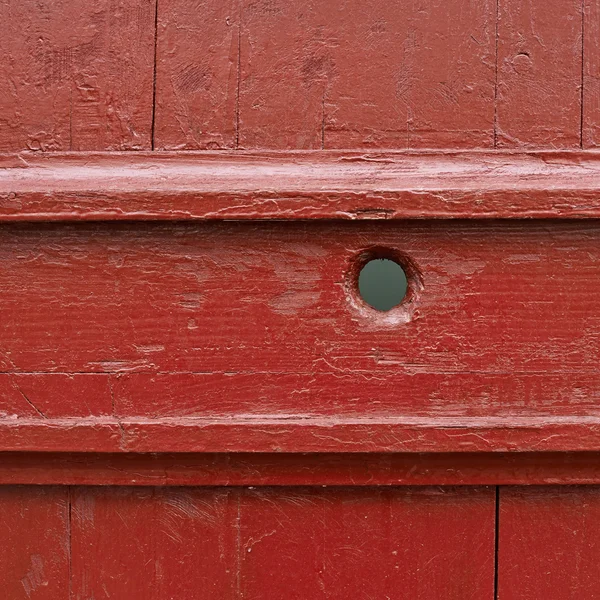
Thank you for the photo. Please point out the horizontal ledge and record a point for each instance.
(551, 468)
(217, 435)
(299, 185)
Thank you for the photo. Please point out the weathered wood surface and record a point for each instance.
(217, 544)
(238, 354)
(540, 81)
(197, 75)
(251, 337)
(76, 75)
(35, 543)
(294, 469)
(299, 185)
(591, 75)
(548, 543)
(134, 74)
(346, 74)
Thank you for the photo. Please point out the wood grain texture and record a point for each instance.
(285, 63)
(197, 75)
(205, 543)
(55, 396)
(591, 75)
(299, 186)
(411, 75)
(35, 543)
(76, 75)
(364, 543)
(242, 301)
(303, 435)
(260, 323)
(539, 80)
(346, 74)
(549, 543)
(153, 544)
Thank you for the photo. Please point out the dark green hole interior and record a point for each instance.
(382, 283)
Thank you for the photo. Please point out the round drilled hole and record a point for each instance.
(382, 283)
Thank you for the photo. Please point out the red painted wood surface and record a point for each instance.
(155, 544)
(539, 78)
(345, 75)
(366, 543)
(76, 75)
(591, 75)
(299, 186)
(204, 337)
(348, 74)
(548, 543)
(340, 74)
(222, 354)
(293, 469)
(197, 75)
(34, 545)
(241, 543)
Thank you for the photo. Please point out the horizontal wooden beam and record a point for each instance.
(299, 185)
(213, 435)
(300, 469)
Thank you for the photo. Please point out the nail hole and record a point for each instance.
(382, 283)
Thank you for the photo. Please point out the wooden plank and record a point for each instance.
(367, 543)
(197, 75)
(393, 392)
(549, 543)
(305, 435)
(76, 75)
(591, 75)
(153, 543)
(411, 75)
(213, 366)
(346, 74)
(54, 396)
(539, 80)
(35, 548)
(285, 63)
(212, 287)
(335, 469)
(299, 185)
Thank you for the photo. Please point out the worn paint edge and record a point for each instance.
(435, 435)
(299, 185)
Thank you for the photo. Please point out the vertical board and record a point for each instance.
(152, 543)
(591, 74)
(296, 543)
(285, 64)
(34, 548)
(539, 73)
(76, 75)
(549, 543)
(197, 74)
(400, 543)
(347, 74)
(411, 75)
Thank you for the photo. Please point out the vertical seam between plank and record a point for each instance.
(582, 97)
(152, 131)
(496, 542)
(497, 33)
